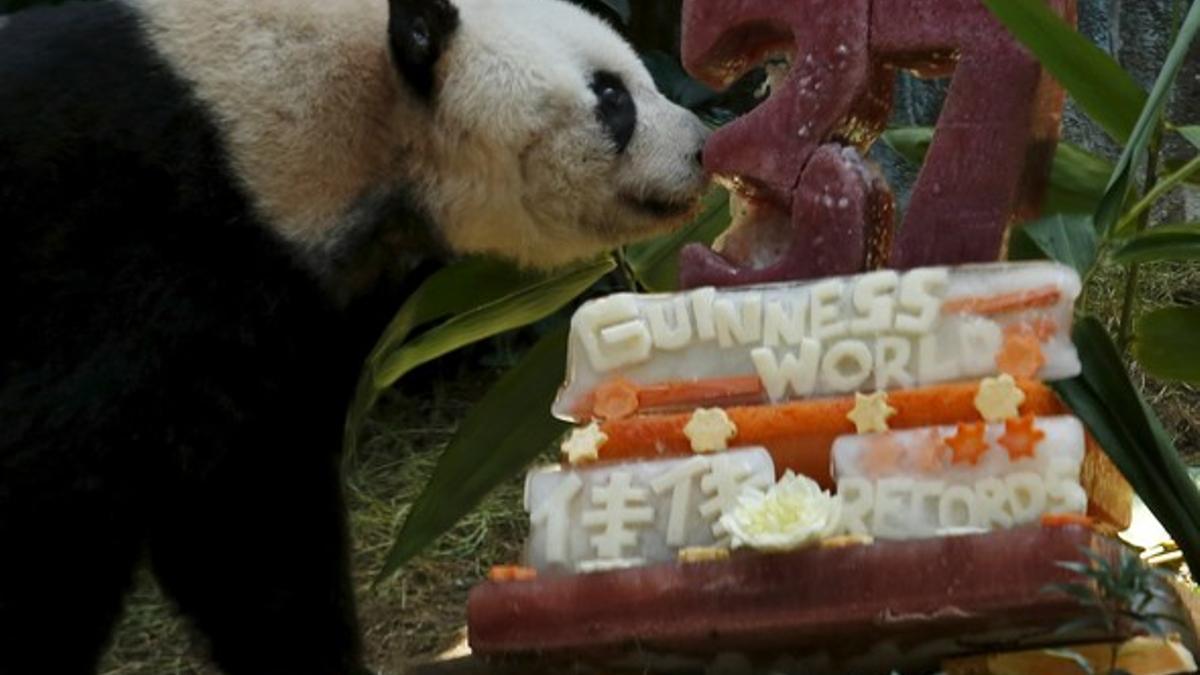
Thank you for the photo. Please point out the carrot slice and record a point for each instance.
(1021, 355)
(1004, 303)
(1065, 519)
(615, 399)
(510, 573)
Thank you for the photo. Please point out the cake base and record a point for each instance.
(891, 605)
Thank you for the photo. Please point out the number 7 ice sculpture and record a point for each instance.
(799, 154)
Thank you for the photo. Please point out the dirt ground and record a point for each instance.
(421, 612)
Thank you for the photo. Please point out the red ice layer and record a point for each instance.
(988, 163)
(927, 599)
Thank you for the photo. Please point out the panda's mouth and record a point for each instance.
(660, 208)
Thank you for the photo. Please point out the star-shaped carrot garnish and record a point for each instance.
(1021, 437)
(583, 445)
(870, 414)
(999, 398)
(882, 457)
(1021, 356)
(968, 444)
(710, 430)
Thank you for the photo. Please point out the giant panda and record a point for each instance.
(209, 208)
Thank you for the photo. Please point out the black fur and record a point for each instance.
(172, 381)
(420, 31)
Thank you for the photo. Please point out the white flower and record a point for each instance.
(793, 513)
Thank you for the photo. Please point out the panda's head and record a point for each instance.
(548, 139)
(522, 128)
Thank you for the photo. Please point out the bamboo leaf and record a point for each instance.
(1165, 344)
(911, 143)
(1139, 141)
(1129, 220)
(656, 262)
(531, 302)
(1094, 79)
(454, 289)
(1069, 239)
(1167, 242)
(504, 432)
(1191, 134)
(1128, 430)
(1078, 178)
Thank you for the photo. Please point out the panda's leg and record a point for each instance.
(68, 546)
(255, 554)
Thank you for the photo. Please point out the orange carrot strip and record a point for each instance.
(673, 394)
(800, 434)
(620, 398)
(1004, 303)
(1065, 519)
(510, 573)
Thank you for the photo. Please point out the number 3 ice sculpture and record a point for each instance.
(799, 153)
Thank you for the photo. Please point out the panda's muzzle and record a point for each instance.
(659, 208)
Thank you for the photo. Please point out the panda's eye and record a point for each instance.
(615, 108)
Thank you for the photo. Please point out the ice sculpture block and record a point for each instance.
(879, 331)
(842, 58)
(635, 513)
(863, 609)
(971, 477)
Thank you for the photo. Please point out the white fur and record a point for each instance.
(511, 161)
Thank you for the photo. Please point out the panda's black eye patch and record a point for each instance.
(615, 108)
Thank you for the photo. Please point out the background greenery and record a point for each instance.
(437, 451)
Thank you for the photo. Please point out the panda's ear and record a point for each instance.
(419, 31)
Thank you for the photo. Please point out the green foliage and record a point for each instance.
(1165, 343)
(1165, 242)
(505, 431)
(1078, 178)
(1124, 424)
(1129, 220)
(529, 302)
(1149, 125)
(1191, 134)
(1103, 396)
(1122, 596)
(655, 263)
(1099, 85)
(1070, 239)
